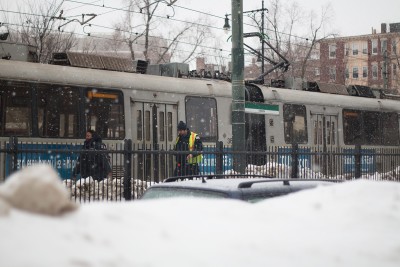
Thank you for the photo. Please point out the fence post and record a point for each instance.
(219, 157)
(295, 161)
(14, 154)
(127, 169)
(357, 161)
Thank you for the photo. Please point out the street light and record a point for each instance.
(227, 27)
(259, 58)
(3, 32)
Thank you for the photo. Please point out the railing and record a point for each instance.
(135, 168)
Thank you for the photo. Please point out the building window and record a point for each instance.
(201, 116)
(374, 46)
(147, 122)
(315, 55)
(169, 122)
(394, 46)
(375, 72)
(355, 49)
(57, 112)
(370, 128)
(383, 73)
(365, 72)
(346, 49)
(332, 74)
(355, 73)
(295, 122)
(332, 51)
(394, 71)
(347, 73)
(139, 125)
(161, 127)
(365, 48)
(316, 71)
(383, 45)
(16, 119)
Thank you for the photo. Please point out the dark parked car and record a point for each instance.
(247, 189)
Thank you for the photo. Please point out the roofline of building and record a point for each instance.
(366, 36)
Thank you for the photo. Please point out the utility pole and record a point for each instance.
(262, 41)
(385, 73)
(238, 93)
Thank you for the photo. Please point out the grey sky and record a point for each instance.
(349, 17)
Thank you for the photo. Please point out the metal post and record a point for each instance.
(295, 161)
(127, 169)
(238, 94)
(13, 140)
(262, 41)
(357, 161)
(219, 157)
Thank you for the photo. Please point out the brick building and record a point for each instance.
(371, 60)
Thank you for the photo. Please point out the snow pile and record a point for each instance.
(107, 189)
(390, 176)
(36, 189)
(276, 170)
(355, 223)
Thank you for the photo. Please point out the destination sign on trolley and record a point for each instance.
(260, 108)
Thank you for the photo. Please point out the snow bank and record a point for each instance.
(36, 189)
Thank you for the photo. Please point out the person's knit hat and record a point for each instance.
(182, 126)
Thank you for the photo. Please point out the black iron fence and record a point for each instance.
(134, 168)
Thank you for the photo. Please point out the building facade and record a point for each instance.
(372, 60)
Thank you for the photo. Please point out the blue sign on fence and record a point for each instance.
(368, 160)
(64, 163)
(285, 157)
(208, 164)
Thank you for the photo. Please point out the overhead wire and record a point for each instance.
(119, 9)
(193, 10)
(122, 41)
(116, 29)
(178, 20)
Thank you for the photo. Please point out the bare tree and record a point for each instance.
(284, 34)
(140, 29)
(279, 30)
(316, 26)
(395, 58)
(37, 25)
(128, 30)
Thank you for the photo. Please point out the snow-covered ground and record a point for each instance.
(355, 223)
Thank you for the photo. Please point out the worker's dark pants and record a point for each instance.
(186, 169)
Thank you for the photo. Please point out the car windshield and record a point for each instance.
(168, 192)
(257, 198)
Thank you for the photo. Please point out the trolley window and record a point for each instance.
(169, 121)
(16, 109)
(295, 121)
(370, 128)
(104, 112)
(162, 125)
(201, 117)
(58, 111)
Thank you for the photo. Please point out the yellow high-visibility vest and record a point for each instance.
(192, 139)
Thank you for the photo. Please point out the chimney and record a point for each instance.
(200, 64)
(383, 27)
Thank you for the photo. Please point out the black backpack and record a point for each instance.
(106, 156)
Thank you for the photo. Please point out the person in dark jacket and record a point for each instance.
(187, 163)
(94, 164)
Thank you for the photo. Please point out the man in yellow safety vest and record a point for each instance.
(187, 163)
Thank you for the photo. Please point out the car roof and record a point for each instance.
(240, 184)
